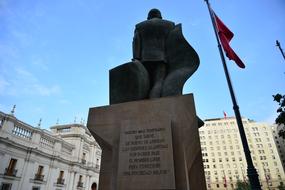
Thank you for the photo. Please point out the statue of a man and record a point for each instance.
(162, 62)
(149, 47)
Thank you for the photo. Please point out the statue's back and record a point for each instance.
(152, 35)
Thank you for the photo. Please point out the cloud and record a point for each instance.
(271, 119)
(45, 90)
(23, 38)
(5, 108)
(22, 82)
(40, 63)
(3, 85)
(64, 101)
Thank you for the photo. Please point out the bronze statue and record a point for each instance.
(149, 48)
(162, 62)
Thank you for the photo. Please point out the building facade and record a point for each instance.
(65, 158)
(280, 142)
(223, 155)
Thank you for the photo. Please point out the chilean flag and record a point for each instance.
(225, 36)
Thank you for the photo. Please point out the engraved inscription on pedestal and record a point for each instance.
(146, 155)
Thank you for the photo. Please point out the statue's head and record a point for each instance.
(154, 13)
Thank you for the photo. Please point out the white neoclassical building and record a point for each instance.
(223, 155)
(65, 158)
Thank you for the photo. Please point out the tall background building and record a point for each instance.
(223, 156)
(280, 142)
(67, 157)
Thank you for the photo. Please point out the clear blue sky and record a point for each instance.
(55, 55)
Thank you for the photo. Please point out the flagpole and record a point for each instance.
(281, 50)
(251, 171)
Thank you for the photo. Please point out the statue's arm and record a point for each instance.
(136, 46)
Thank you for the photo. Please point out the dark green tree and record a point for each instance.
(242, 185)
(281, 187)
(280, 120)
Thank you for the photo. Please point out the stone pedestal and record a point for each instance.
(149, 145)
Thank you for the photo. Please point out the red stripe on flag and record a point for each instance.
(225, 37)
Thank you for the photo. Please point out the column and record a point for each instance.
(87, 184)
(24, 171)
(74, 182)
(70, 180)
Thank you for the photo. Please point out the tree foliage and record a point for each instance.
(280, 120)
(281, 187)
(242, 185)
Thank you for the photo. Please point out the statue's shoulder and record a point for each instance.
(155, 21)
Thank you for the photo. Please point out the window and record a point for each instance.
(83, 160)
(39, 173)
(40, 170)
(11, 168)
(264, 163)
(61, 174)
(2, 122)
(258, 139)
(80, 183)
(36, 188)
(6, 186)
(60, 179)
(64, 130)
